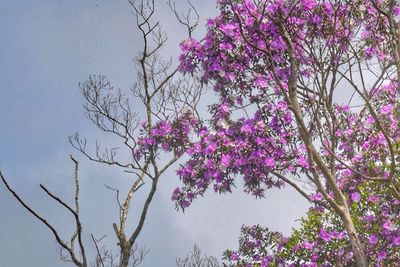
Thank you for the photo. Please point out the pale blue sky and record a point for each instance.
(47, 48)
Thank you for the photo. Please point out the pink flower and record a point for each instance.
(355, 197)
(270, 162)
(309, 4)
(210, 22)
(281, 105)
(372, 239)
(234, 256)
(176, 194)
(189, 44)
(303, 163)
(396, 11)
(324, 235)
(211, 148)
(225, 160)
(396, 241)
(387, 225)
(307, 245)
(373, 199)
(341, 235)
(264, 263)
(228, 29)
(224, 108)
(366, 34)
(247, 128)
(316, 197)
(382, 255)
(387, 109)
(349, 255)
(261, 82)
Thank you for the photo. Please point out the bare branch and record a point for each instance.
(44, 221)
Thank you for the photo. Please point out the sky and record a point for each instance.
(47, 48)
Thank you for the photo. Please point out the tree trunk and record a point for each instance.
(124, 261)
(355, 242)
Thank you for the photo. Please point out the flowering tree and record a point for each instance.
(308, 96)
(321, 239)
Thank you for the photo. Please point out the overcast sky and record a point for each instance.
(47, 48)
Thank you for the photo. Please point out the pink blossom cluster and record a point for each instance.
(168, 136)
(246, 57)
